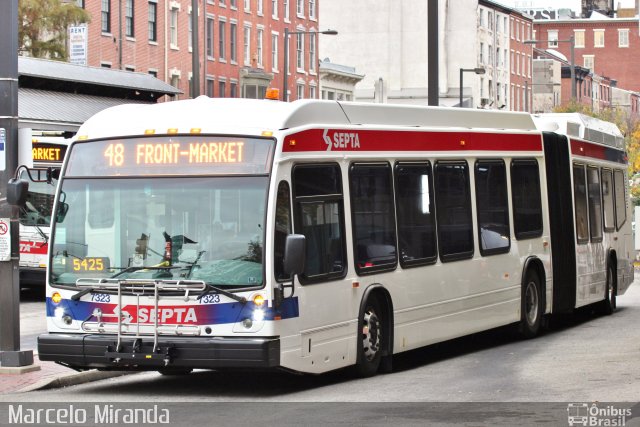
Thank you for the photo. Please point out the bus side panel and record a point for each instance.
(563, 248)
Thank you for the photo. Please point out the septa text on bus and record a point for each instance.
(341, 139)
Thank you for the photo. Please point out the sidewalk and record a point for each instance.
(50, 375)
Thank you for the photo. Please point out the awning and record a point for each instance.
(60, 111)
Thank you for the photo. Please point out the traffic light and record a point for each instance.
(142, 245)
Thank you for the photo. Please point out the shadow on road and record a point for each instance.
(249, 384)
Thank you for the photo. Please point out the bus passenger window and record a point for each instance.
(491, 201)
(320, 218)
(281, 230)
(580, 200)
(595, 204)
(527, 203)
(453, 198)
(374, 236)
(415, 211)
(621, 199)
(607, 200)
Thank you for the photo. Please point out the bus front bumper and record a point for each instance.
(89, 351)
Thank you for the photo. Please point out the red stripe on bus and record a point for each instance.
(370, 140)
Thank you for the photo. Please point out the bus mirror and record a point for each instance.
(53, 173)
(294, 254)
(63, 208)
(17, 190)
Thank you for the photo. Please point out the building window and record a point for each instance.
(552, 38)
(299, 51)
(247, 5)
(274, 52)
(247, 46)
(174, 28)
(233, 41)
(598, 38)
(233, 90)
(578, 37)
(312, 52)
(233, 4)
(153, 21)
(222, 38)
(481, 19)
(312, 92)
(300, 8)
(312, 9)
(300, 91)
(209, 87)
(260, 11)
(105, 16)
(285, 5)
(623, 38)
(274, 9)
(259, 47)
(190, 37)
(222, 88)
(589, 62)
(128, 18)
(209, 32)
(481, 53)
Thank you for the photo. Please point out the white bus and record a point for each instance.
(315, 235)
(35, 215)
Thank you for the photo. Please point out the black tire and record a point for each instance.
(531, 305)
(610, 291)
(370, 339)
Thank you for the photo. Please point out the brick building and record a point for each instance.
(240, 43)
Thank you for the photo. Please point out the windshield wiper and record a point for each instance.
(138, 268)
(214, 289)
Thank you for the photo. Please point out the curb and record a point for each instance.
(77, 378)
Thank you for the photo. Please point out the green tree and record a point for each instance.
(43, 26)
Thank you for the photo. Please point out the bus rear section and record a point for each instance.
(589, 211)
(35, 216)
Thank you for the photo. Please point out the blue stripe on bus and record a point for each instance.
(207, 314)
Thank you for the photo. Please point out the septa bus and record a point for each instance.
(316, 235)
(35, 215)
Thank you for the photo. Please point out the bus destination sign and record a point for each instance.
(43, 152)
(171, 155)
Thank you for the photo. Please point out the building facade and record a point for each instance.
(240, 43)
(388, 44)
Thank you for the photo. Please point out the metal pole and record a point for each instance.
(526, 96)
(285, 77)
(195, 63)
(119, 34)
(461, 71)
(572, 66)
(432, 57)
(10, 356)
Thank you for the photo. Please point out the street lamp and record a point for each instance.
(572, 66)
(287, 33)
(478, 70)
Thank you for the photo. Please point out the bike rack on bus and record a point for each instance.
(138, 287)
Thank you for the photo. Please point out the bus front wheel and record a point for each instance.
(370, 339)
(531, 305)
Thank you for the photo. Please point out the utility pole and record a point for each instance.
(195, 60)
(433, 77)
(10, 354)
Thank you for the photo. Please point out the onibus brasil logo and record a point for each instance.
(583, 414)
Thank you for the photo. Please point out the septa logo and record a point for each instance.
(29, 247)
(341, 140)
(174, 315)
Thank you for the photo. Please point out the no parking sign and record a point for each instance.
(5, 240)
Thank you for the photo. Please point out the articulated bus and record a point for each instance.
(35, 215)
(316, 235)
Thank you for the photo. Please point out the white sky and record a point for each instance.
(555, 4)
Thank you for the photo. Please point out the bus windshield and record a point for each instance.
(39, 202)
(173, 228)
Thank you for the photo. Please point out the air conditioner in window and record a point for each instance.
(484, 101)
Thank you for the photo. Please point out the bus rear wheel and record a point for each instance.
(610, 291)
(531, 305)
(370, 339)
